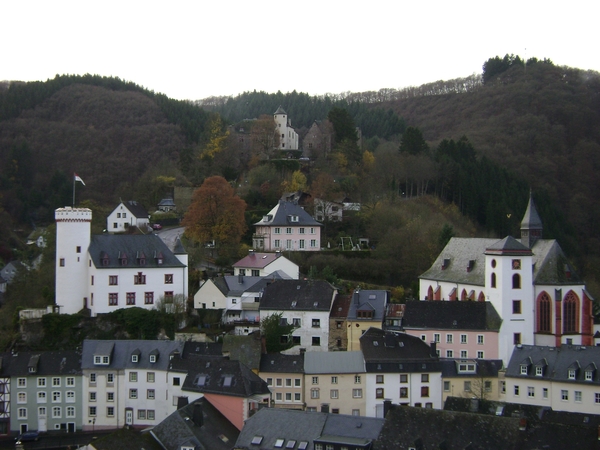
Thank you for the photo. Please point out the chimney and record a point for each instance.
(197, 416)
(433, 347)
(387, 405)
(356, 296)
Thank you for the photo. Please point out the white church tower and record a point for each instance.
(288, 138)
(73, 230)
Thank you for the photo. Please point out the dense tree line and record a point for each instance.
(304, 110)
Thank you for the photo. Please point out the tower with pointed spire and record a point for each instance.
(531, 225)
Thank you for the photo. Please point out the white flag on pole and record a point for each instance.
(78, 178)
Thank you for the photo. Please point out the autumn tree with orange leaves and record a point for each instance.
(216, 213)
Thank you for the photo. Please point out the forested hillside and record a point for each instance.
(479, 143)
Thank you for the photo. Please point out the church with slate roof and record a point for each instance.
(107, 272)
(529, 281)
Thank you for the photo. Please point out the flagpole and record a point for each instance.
(73, 190)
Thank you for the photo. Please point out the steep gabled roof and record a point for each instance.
(199, 425)
(368, 300)
(297, 295)
(281, 363)
(280, 110)
(464, 315)
(211, 375)
(458, 253)
(43, 363)
(120, 355)
(136, 209)
(114, 247)
(285, 214)
(257, 260)
(385, 352)
(559, 360)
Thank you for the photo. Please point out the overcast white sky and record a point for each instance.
(196, 49)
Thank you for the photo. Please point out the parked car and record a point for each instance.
(28, 436)
(156, 226)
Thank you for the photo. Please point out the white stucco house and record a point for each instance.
(305, 304)
(258, 264)
(127, 214)
(564, 378)
(107, 272)
(128, 382)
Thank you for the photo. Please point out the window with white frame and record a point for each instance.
(133, 377)
(436, 337)
(597, 398)
(357, 379)
(70, 410)
(449, 339)
(22, 397)
(334, 394)
(133, 393)
(530, 391)
(41, 382)
(41, 397)
(56, 412)
(463, 338)
(544, 392)
(480, 339)
(150, 376)
(56, 397)
(22, 413)
(564, 395)
(480, 354)
(464, 354)
(314, 393)
(356, 393)
(70, 396)
(577, 396)
(70, 381)
(55, 382)
(22, 382)
(449, 354)
(110, 411)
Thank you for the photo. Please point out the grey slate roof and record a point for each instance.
(396, 352)
(436, 429)
(549, 262)
(219, 376)
(136, 209)
(368, 300)
(280, 110)
(150, 246)
(508, 246)
(301, 426)
(199, 425)
(44, 363)
(531, 219)
(334, 362)
(281, 215)
(281, 363)
(556, 362)
(298, 295)
(120, 356)
(483, 368)
(465, 315)
(202, 348)
(459, 251)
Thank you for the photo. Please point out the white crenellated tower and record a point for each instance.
(73, 234)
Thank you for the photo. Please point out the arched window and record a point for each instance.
(430, 293)
(463, 295)
(570, 313)
(493, 282)
(544, 313)
(516, 281)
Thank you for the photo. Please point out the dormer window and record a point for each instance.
(134, 358)
(445, 263)
(101, 360)
(141, 258)
(466, 367)
(539, 371)
(589, 375)
(294, 218)
(153, 356)
(572, 374)
(523, 369)
(122, 259)
(104, 260)
(471, 265)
